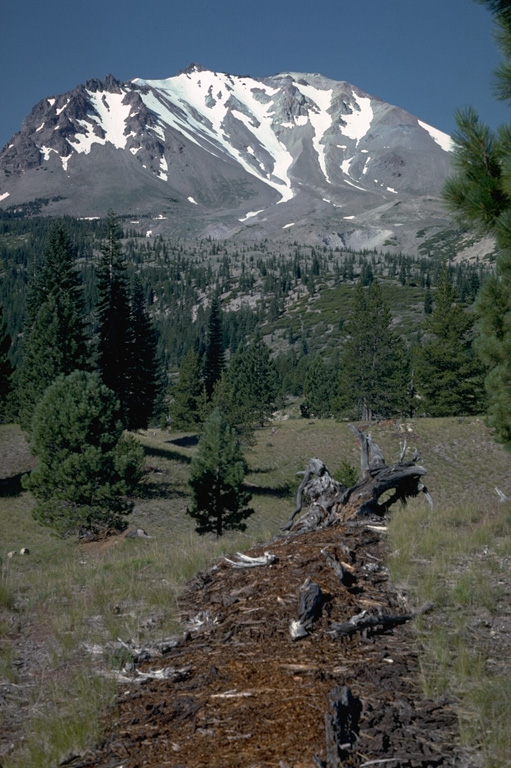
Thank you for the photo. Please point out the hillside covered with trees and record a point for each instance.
(298, 300)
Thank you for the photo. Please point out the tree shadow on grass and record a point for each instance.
(164, 453)
(281, 491)
(150, 490)
(11, 486)
(187, 441)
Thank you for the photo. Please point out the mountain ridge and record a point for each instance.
(212, 154)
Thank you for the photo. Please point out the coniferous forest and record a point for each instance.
(299, 300)
(176, 330)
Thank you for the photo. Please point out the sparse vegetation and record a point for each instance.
(67, 597)
(457, 559)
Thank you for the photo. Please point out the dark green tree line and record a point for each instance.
(320, 388)
(247, 391)
(144, 371)
(187, 409)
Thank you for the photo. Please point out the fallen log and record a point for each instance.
(363, 621)
(379, 488)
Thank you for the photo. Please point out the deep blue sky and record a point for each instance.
(426, 56)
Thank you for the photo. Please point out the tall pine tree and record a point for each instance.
(114, 327)
(448, 375)
(144, 369)
(217, 472)
(56, 341)
(127, 341)
(6, 368)
(214, 357)
(188, 394)
(374, 378)
(479, 193)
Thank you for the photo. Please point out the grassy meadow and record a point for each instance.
(67, 601)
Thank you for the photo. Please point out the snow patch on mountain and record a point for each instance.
(355, 186)
(359, 121)
(61, 109)
(346, 164)
(107, 126)
(181, 102)
(442, 139)
(250, 215)
(320, 120)
(163, 173)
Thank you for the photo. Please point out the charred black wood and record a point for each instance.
(341, 725)
(363, 621)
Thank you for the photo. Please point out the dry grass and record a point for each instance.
(66, 594)
(457, 559)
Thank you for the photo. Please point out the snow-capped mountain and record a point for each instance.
(215, 154)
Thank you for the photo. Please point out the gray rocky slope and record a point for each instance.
(292, 156)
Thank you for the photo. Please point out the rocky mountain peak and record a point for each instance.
(221, 154)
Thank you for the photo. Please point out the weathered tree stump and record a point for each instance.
(380, 487)
(311, 604)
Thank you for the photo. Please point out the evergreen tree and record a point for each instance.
(479, 192)
(143, 369)
(217, 472)
(319, 389)
(56, 340)
(214, 358)
(374, 378)
(6, 369)
(448, 376)
(428, 302)
(188, 395)
(115, 335)
(86, 469)
(249, 386)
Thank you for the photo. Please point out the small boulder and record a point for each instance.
(137, 533)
